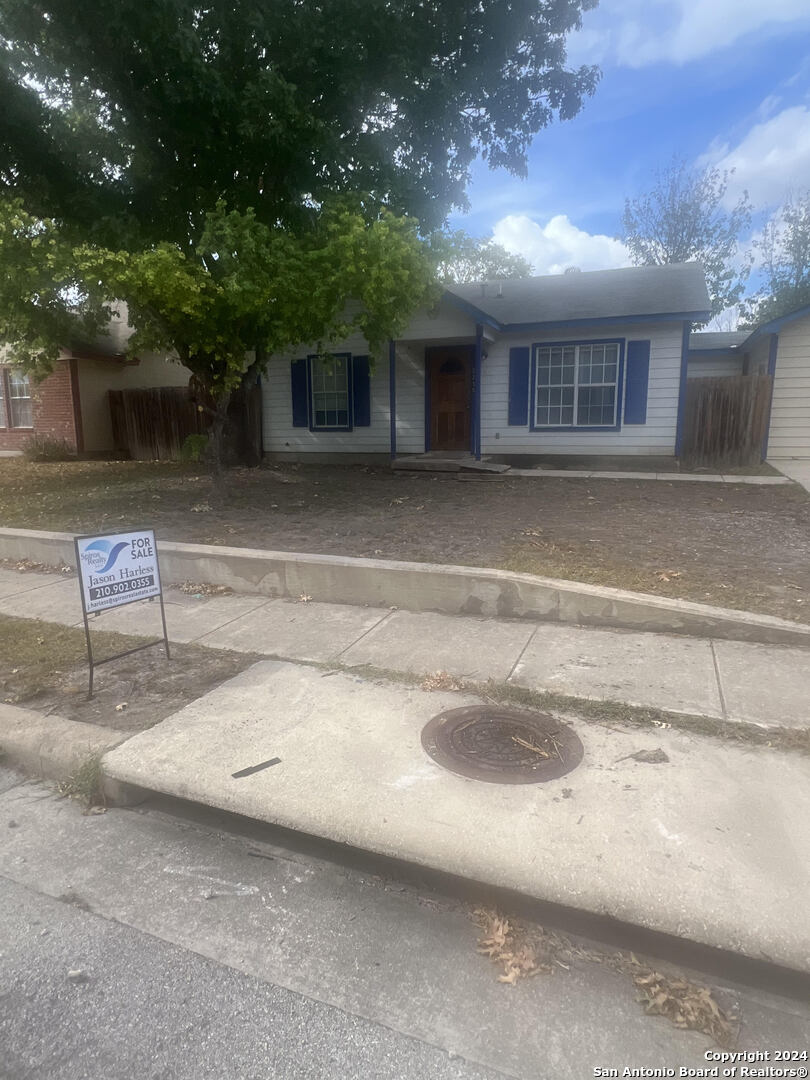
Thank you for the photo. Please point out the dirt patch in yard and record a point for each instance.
(739, 546)
(44, 667)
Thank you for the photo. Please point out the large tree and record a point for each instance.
(783, 249)
(199, 157)
(683, 217)
(245, 288)
(463, 258)
(133, 118)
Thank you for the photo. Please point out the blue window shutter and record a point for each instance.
(300, 393)
(361, 391)
(636, 382)
(519, 386)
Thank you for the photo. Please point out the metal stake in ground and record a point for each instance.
(114, 570)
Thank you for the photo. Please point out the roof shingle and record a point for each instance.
(674, 289)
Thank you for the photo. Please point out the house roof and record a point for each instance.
(675, 290)
(717, 341)
(775, 325)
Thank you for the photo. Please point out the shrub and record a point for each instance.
(193, 448)
(41, 448)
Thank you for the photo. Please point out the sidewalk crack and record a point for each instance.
(529, 640)
(365, 633)
(208, 633)
(719, 681)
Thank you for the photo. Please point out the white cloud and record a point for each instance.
(771, 159)
(559, 243)
(637, 33)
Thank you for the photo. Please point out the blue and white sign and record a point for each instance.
(117, 569)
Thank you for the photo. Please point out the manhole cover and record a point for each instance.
(503, 746)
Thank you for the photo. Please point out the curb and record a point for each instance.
(51, 746)
(450, 590)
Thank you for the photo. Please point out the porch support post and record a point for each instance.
(773, 348)
(687, 329)
(392, 395)
(476, 402)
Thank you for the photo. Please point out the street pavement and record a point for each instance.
(200, 953)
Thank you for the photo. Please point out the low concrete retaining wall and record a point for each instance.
(453, 590)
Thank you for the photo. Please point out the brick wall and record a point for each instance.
(52, 403)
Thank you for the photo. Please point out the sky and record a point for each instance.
(717, 82)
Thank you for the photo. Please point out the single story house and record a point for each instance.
(779, 348)
(581, 363)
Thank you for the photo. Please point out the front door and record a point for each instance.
(450, 385)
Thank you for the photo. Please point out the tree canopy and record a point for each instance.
(246, 175)
(245, 285)
(683, 218)
(462, 258)
(131, 119)
(783, 249)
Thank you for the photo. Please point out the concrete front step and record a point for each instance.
(710, 844)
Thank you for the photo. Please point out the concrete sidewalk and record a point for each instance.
(710, 843)
(797, 469)
(768, 685)
(707, 840)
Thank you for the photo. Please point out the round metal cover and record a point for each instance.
(502, 746)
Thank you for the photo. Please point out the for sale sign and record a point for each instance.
(117, 569)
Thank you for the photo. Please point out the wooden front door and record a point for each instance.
(450, 383)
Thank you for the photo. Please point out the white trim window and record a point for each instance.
(329, 393)
(577, 385)
(20, 414)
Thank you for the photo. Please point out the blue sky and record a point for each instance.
(724, 82)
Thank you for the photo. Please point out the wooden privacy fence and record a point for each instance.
(725, 420)
(153, 424)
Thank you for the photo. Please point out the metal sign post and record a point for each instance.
(114, 570)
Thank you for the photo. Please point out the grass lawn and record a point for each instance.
(43, 666)
(737, 546)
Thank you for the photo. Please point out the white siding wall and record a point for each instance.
(790, 411)
(281, 437)
(443, 321)
(410, 399)
(715, 366)
(444, 324)
(656, 437)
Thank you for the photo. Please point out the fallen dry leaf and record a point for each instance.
(522, 950)
(685, 1004)
(440, 680)
(203, 588)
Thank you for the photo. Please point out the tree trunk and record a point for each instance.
(217, 445)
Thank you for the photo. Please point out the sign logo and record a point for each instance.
(117, 568)
(101, 556)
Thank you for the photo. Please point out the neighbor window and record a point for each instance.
(329, 389)
(19, 400)
(577, 385)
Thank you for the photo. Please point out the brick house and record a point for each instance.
(71, 405)
(48, 410)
